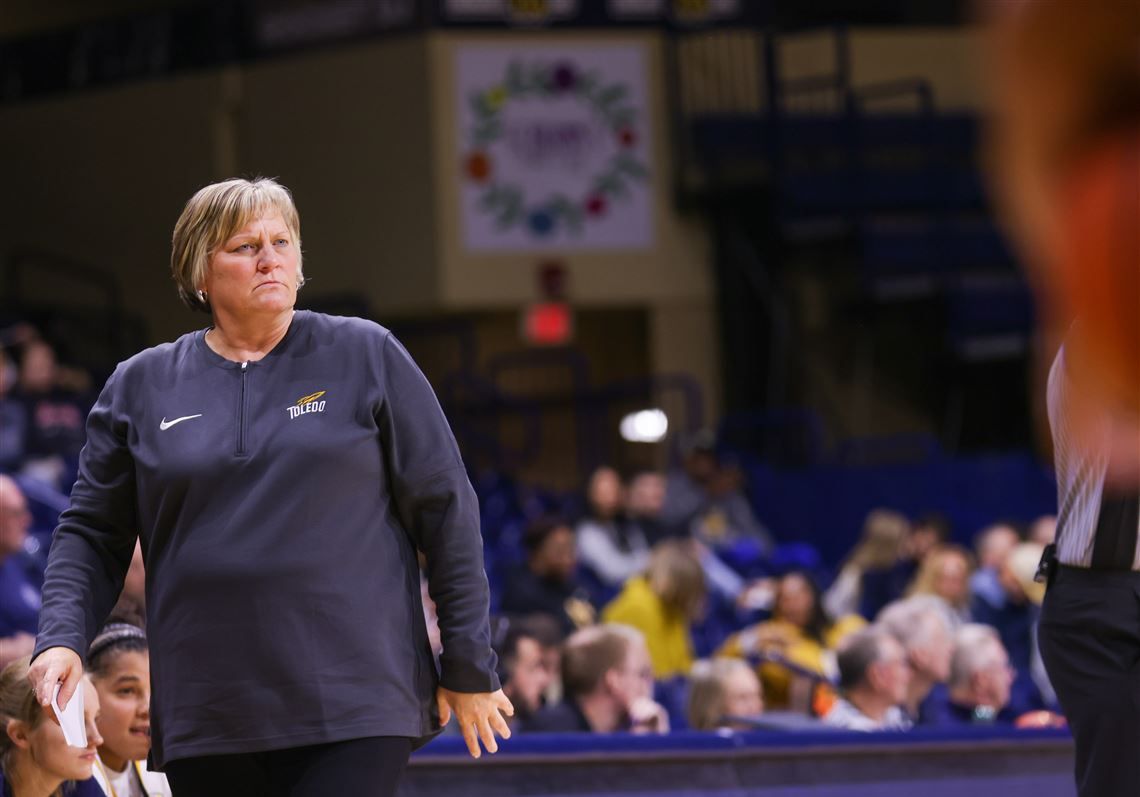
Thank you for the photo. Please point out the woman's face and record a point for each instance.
(952, 581)
(795, 601)
(742, 697)
(124, 695)
(254, 271)
(606, 492)
(52, 754)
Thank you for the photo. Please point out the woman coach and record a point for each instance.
(281, 467)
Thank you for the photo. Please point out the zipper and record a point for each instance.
(241, 412)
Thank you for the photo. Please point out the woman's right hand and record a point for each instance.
(55, 665)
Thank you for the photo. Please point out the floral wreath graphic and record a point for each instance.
(507, 202)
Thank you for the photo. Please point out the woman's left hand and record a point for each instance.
(479, 714)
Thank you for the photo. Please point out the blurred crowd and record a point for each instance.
(664, 603)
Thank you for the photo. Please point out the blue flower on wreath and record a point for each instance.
(541, 222)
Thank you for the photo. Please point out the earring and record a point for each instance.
(202, 296)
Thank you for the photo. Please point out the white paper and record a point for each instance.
(71, 718)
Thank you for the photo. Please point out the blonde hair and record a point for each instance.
(878, 547)
(676, 577)
(705, 709)
(17, 704)
(931, 567)
(214, 214)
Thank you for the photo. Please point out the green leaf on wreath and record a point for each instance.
(627, 165)
(622, 117)
(487, 132)
(612, 94)
(516, 77)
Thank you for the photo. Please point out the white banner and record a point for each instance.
(554, 147)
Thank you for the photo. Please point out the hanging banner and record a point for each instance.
(554, 148)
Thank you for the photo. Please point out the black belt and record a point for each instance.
(1114, 546)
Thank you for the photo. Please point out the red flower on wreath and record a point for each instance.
(627, 137)
(478, 166)
(596, 205)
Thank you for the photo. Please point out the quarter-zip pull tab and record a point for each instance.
(240, 450)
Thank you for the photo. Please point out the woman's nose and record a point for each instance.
(270, 258)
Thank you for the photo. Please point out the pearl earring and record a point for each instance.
(201, 296)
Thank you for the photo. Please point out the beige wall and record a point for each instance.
(949, 58)
(101, 176)
(347, 131)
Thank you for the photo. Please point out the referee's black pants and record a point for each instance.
(369, 767)
(1090, 642)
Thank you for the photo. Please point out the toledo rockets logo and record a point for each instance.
(307, 404)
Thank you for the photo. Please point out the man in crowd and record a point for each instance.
(526, 667)
(873, 680)
(980, 678)
(607, 682)
(19, 593)
(922, 625)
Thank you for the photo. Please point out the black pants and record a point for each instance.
(367, 767)
(1090, 643)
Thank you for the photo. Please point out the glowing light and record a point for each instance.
(644, 426)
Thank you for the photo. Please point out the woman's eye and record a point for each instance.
(281, 242)
(244, 248)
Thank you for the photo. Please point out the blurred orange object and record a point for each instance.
(1098, 281)
(1040, 719)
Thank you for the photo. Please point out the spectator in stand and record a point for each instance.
(1043, 531)
(546, 584)
(1014, 611)
(796, 647)
(662, 604)
(723, 694)
(118, 663)
(704, 498)
(611, 547)
(644, 502)
(19, 593)
(55, 413)
(607, 682)
(922, 624)
(526, 669)
(35, 759)
(13, 418)
(886, 586)
(980, 680)
(873, 682)
(945, 573)
(992, 545)
(132, 601)
(865, 582)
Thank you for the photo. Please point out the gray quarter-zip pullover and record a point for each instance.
(280, 505)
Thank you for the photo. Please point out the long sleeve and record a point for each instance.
(598, 551)
(437, 506)
(93, 543)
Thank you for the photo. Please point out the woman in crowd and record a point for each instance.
(118, 664)
(723, 694)
(796, 646)
(610, 546)
(35, 759)
(945, 573)
(663, 604)
(865, 575)
(282, 467)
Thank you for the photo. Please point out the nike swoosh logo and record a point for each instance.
(167, 424)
